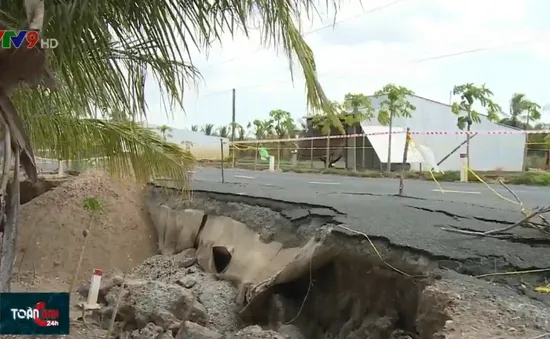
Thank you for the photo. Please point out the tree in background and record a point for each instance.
(241, 135)
(354, 109)
(166, 131)
(223, 131)
(240, 131)
(195, 128)
(325, 124)
(466, 114)
(522, 112)
(262, 128)
(395, 104)
(187, 145)
(208, 129)
(360, 107)
(282, 123)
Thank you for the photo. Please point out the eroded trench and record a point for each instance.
(296, 268)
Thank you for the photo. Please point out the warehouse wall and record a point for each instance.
(488, 152)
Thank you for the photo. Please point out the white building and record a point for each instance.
(487, 151)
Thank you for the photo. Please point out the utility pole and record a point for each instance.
(233, 125)
(468, 137)
(233, 118)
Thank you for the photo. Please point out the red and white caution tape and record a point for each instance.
(498, 132)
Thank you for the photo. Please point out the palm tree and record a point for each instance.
(166, 131)
(105, 52)
(208, 129)
(195, 128)
(522, 112)
(263, 128)
(187, 144)
(223, 131)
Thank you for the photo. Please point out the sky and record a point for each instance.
(374, 43)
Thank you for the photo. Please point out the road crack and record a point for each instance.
(531, 241)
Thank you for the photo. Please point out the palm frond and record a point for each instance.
(124, 147)
(101, 42)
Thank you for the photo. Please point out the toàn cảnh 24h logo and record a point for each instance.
(41, 316)
(11, 38)
(33, 313)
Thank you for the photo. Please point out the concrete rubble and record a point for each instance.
(170, 296)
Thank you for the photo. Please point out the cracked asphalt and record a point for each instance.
(369, 206)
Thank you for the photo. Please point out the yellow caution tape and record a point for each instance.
(543, 289)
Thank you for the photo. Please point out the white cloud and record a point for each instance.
(365, 51)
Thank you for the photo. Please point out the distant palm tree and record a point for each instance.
(263, 128)
(187, 144)
(522, 112)
(166, 131)
(208, 129)
(223, 131)
(195, 128)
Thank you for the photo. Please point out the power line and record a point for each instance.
(312, 31)
(413, 61)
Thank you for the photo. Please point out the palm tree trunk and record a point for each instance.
(9, 212)
(327, 160)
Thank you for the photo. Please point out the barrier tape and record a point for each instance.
(497, 132)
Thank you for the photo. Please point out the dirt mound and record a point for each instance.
(51, 228)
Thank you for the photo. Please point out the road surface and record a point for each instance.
(368, 205)
(473, 193)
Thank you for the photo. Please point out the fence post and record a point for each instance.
(327, 163)
(278, 155)
(404, 163)
(354, 143)
(221, 144)
(363, 150)
(235, 150)
(61, 169)
(311, 154)
(256, 154)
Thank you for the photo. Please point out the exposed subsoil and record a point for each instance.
(52, 225)
(368, 289)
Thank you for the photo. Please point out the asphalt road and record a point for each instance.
(472, 193)
(369, 206)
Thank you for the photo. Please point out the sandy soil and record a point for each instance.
(480, 309)
(52, 225)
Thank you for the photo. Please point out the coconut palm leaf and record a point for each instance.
(100, 43)
(124, 147)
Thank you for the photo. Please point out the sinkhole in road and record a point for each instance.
(351, 298)
(296, 273)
